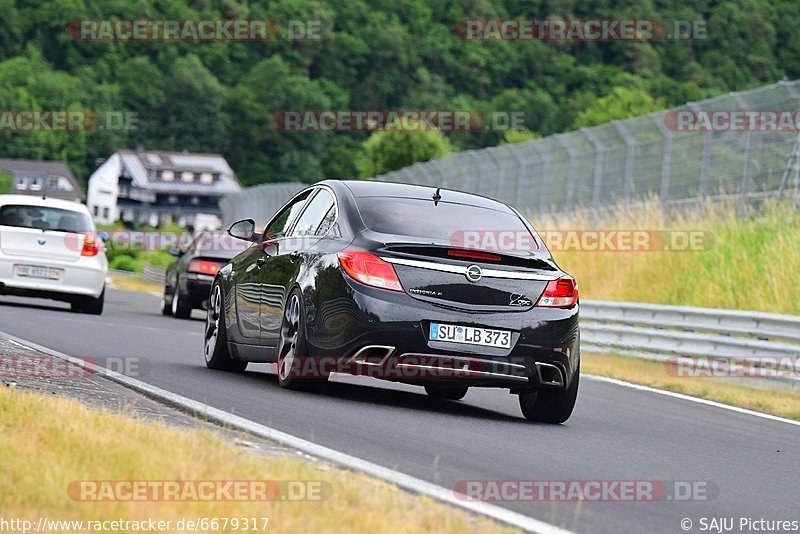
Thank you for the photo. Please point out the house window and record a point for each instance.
(187, 176)
(105, 212)
(22, 183)
(206, 178)
(167, 176)
(195, 200)
(95, 210)
(172, 199)
(36, 183)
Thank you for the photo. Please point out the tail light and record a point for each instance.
(203, 267)
(369, 269)
(90, 246)
(561, 293)
(474, 255)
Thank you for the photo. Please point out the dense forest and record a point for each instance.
(369, 54)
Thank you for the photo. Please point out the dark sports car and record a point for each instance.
(188, 279)
(405, 283)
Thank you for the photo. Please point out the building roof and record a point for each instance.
(45, 168)
(143, 168)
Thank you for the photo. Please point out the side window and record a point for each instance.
(312, 217)
(327, 222)
(281, 223)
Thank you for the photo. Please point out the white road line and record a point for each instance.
(407, 482)
(689, 398)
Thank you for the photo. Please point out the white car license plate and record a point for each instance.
(471, 335)
(35, 271)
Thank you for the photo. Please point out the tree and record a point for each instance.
(621, 103)
(394, 148)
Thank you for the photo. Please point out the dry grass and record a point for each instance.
(48, 442)
(751, 262)
(658, 375)
(134, 284)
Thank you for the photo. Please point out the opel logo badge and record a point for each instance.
(474, 273)
(41, 241)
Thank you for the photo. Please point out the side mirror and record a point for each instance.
(244, 230)
(103, 235)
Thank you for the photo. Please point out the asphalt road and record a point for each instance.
(616, 433)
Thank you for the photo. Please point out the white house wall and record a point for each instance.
(103, 190)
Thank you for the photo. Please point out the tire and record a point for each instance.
(215, 337)
(550, 405)
(90, 305)
(446, 393)
(179, 307)
(166, 304)
(293, 349)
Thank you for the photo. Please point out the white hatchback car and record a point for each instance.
(49, 248)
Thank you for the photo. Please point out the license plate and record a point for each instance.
(486, 337)
(34, 271)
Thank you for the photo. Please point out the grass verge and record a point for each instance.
(746, 262)
(48, 442)
(656, 374)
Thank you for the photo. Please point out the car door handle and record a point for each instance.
(261, 261)
(294, 255)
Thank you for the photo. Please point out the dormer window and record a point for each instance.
(187, 176)
(206, 178)
(167, 176)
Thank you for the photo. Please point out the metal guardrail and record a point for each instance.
(661, 332)
(156, 275)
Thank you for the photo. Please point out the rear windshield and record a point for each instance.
(44, 218)
(457, 224)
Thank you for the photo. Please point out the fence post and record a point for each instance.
(520, 176)
(666, 162)
(545, 157)
(501, 170)
(630, 153)
(564, 139)
(599, 158)
(706, 161)
(748, 152)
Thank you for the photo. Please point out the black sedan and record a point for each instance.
(405, 283)
(189, 277)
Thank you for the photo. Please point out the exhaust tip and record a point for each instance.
(549, 374)
(372, 354)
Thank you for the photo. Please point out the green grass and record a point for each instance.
(752, 262)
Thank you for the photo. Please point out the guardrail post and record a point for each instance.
(520, 192)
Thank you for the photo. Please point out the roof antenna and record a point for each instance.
(436, 197)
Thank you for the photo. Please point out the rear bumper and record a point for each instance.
(85, 277)
(195, 288)
(544, 350)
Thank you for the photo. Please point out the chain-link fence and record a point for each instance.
(619, 162)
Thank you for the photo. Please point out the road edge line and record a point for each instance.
(401, 480)
(682, 396)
